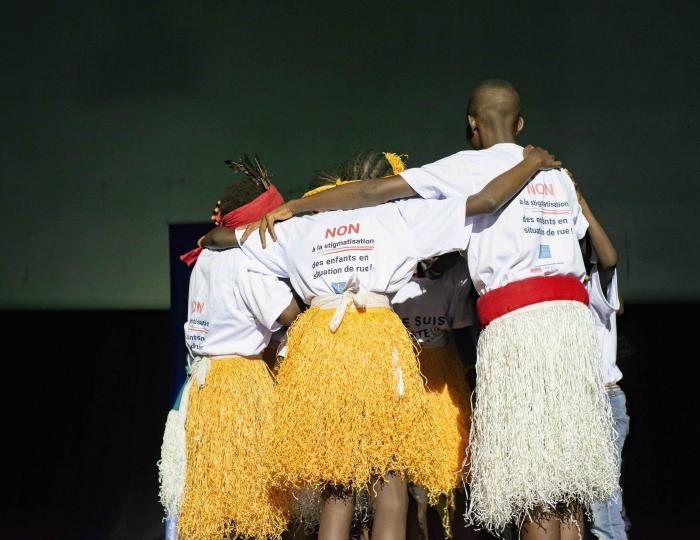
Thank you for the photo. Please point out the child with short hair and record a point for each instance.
(539, 393)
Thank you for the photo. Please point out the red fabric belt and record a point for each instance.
(518, 294)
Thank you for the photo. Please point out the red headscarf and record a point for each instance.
(252, 211)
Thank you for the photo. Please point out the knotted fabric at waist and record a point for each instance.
(525, 292)
(351, 296)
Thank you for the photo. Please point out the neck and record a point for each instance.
(491, 135)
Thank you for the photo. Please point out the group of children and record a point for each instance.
(369, 400)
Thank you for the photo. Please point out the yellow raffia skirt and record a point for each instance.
(228, 490)
(352, 406)
(449, 400)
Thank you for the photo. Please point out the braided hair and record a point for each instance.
(362, 166)
(255, 183)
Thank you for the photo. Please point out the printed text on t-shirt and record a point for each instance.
(351, 254)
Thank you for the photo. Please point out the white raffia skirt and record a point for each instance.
(172, 465)
(542, 433)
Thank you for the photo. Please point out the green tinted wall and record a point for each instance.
(117, 116)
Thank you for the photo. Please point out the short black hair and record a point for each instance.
(486, 85)
(254, 184)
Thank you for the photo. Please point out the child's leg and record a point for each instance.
(390, 509)
(542, 529)
(609, 516)
(336, 517)
(418, 514)
(572, 529)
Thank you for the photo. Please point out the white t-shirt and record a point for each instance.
(232, 311)
(381, 244)
(535, 234)
(604, 306)
(431, 308)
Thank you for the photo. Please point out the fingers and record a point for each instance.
(262, 231)
(248, 230)
(271, 227)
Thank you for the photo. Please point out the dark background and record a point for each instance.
(116, 119)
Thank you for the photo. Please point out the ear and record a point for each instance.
(520, 125)
(472, 122)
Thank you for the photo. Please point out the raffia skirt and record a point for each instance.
(351, 406)
(542, 433)
(227, 489)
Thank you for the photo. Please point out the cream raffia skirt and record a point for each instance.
(542, 433)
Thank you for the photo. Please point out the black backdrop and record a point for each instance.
(84, 420)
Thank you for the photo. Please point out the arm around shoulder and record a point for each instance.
(219, 238)
(504, 187)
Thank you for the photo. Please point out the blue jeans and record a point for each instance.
(609, 517)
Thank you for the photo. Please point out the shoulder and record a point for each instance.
(457, 161)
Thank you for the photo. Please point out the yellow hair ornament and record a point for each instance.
(396, 161)
(338, 182)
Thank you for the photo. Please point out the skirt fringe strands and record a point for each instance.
(542, 432)
(450, 407)
(449, 402)
(228, 490)
(172, 464)
(351, 406)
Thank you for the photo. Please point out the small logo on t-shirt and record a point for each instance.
(338, 287)
(545, 253)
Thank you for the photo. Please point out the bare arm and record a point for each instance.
(600, 241)
(219, 238)
(373, 192)
(504, 187)
(602, 245)
(354, 195)
(290, 313)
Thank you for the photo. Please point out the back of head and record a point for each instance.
(495, 103)
(365, 165)
(254, 184)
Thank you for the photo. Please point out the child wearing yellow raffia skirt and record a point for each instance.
(431, 305)
(351, 405)
(215, 475)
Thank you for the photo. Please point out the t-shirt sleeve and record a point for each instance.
(270, 260)
(434, 227)
(579, 220)
(266, 297)
(460, 309)
(604, 303)
(448, 177)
